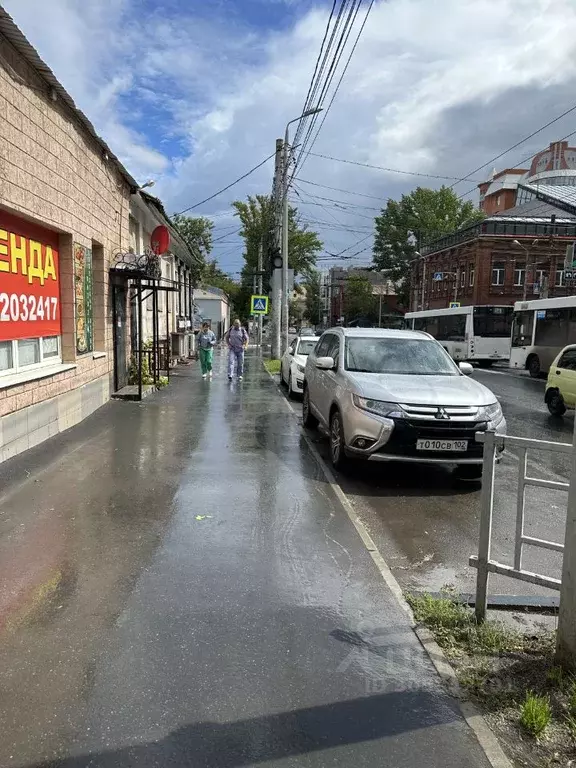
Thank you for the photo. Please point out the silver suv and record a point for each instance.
(386, 395)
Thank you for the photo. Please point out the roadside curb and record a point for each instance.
(470, 712)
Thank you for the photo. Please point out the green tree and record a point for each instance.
(313, 311)
(213, 276)
(358, 298)
(406, 225)
(196, 231)
(256, 216)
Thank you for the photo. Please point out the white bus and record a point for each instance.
(540, 329)
(472, 334)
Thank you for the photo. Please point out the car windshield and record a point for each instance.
(306, 346)
(400, 356)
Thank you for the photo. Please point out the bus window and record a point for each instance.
(493, 322)
(451, 328)
(420, 323)
(552, 330)
(522, 329)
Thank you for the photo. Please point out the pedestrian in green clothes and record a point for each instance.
(206, 342)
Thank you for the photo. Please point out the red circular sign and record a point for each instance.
(160, 240)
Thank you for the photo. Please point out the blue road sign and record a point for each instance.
(259, 305)
(438, 276)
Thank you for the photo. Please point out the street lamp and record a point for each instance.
(519, 244)
(285, 159)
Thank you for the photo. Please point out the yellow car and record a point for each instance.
(561, 385)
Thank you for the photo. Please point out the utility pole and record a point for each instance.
(285, 300)
(277, 283)
(260, 317)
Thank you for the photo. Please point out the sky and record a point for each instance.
(192, 94)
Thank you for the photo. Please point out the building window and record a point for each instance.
(560, 278)
(519, 276)
(497, 274)
(83, 299)
(24, 354)
(471, 272)
(462, 278)
(498, 201)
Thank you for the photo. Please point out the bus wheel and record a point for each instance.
(485, 363)
(533, 366)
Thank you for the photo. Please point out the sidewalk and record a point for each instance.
(179, 587)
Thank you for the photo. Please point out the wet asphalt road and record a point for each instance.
(179, 587)
(426, 524)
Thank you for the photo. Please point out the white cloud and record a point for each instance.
(433, 87)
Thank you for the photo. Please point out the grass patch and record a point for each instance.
(535, 713)
(527, 699)
(272, 366)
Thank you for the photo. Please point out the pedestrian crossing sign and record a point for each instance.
(259, 305)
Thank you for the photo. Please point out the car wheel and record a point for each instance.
(534, 366)
(556, 405)
(471, 472)
(308, 419)
(337, 444)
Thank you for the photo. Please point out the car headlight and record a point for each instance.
(300, 368)
(379, 407)
(493, 412)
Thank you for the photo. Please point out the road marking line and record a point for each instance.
(471, 714)
(513, 375)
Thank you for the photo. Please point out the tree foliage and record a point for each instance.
(196, 231)
(313, 311)
(256, 216)
(418, 218)
(358, 297)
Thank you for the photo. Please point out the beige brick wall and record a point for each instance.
(54, 173)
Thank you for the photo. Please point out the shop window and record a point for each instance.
(24, 354)
(83, 297)
(30, 319)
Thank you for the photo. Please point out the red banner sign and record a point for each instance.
(29, 280)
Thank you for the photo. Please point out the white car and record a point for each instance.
(294, 361)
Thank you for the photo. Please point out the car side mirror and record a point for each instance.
(466, 369)
(325, 363)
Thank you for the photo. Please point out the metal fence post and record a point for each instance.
(518, 543)
(566, 634)
(486, 508)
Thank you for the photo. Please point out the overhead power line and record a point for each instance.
(388, 170)
(241, 178)
(339, 189)
(358, 36)
(346, 29)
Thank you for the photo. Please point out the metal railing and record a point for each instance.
(483, 562)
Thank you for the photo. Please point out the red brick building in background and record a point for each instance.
(518, 252)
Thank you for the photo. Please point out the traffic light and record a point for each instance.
(275, 258)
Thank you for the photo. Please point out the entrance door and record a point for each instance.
(120, 364)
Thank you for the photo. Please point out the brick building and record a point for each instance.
(554, 166)
(64, 219)
(385, 298)
(509, 255)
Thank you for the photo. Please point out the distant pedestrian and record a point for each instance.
(237, 342)
(206, 342)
